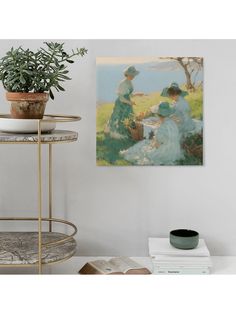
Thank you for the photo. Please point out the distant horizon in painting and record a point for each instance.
(132, 128)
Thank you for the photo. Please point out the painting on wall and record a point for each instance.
(149, 111)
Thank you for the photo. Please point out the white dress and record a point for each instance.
(169, 151)
(184, 112)
(187, 125)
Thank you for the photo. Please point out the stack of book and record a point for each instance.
(169, 260)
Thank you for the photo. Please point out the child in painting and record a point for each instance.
(123, 106)
(164, 148)
(182, 108)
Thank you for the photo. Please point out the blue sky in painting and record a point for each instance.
(154, 76)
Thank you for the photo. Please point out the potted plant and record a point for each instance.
(30, 77)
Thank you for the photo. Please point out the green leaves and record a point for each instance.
(61, 88)
(51, 94)
(22, 80)
(27, 71)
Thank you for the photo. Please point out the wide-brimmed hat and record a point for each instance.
(130, 70)
(173, 86)
(165, 110)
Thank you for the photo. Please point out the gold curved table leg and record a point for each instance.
(50, 186)
(39, 200)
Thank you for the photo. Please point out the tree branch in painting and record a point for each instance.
(189, 65)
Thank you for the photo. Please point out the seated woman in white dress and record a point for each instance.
(164, 148)
(186, 124)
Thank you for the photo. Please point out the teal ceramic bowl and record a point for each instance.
(184, 239)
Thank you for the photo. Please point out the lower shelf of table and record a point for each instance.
(21, 248)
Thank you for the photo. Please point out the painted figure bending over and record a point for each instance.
(182, 108)
(164, 148)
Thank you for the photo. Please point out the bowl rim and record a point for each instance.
(10, 119)
(184, 233)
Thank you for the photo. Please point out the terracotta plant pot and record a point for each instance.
(27, 105)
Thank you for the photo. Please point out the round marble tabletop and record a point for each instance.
(22, 248)
(56, 136)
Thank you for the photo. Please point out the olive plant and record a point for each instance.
(23, 70)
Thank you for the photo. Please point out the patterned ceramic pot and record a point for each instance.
(27, 105)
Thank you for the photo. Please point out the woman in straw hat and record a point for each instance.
(164, 148)
(123, 108)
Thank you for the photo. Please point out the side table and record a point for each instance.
(39, 247)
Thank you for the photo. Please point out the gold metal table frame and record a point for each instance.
(40, 219)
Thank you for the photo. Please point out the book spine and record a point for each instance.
(193, 271)
(180, 266)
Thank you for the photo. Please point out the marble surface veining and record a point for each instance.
(54, 136)
(22, 247)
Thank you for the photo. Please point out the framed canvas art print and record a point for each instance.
(149, 111)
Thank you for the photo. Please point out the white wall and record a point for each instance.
(116, 208)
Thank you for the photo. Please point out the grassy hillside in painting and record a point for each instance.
(108, 149)
(144, 103)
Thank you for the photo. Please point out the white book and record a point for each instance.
(172, 258)
(176, 271)
(189, 260)
(162, 246)
(179, 266)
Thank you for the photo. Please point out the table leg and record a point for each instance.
(50, 186)
(39, 200)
